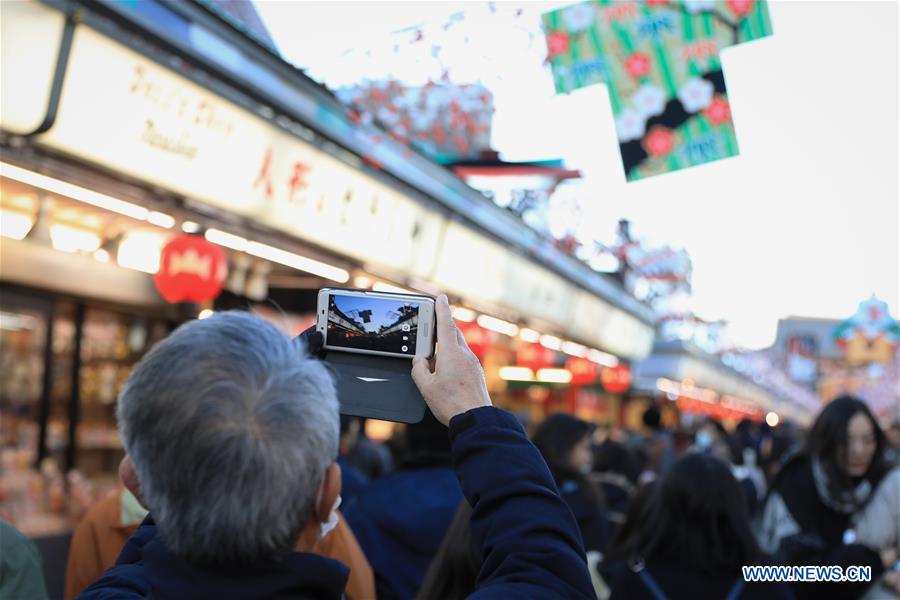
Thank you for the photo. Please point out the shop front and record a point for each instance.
(113, 147)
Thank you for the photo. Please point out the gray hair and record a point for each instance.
(230, 428)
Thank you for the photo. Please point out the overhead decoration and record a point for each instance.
(616, 380)
(871, 336)
(660, 62)
(191, 269)
(447, 122)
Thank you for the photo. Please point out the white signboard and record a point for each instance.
(123, 111)
(472, 265)
(534, 290)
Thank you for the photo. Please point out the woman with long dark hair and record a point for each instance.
(566, 445)
(808, 515)
(687, 537)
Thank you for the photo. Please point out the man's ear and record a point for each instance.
(130, 479)
(329, 490)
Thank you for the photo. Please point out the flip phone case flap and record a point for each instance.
(376, 386)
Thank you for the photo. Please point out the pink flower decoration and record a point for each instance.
(740, 7)
(659, 142)
(557, 43)
(718, 111)
(637, 65)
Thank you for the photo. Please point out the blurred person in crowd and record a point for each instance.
(688, 537)
(21, 574)
(616, 471)
(370, 458)
(401, 519)
(565, 443)
(878, 527)
(227, 425)
(808, 515)
(712, 438)
(454, 570)
(659, 444)
(892, 438)
(102, 533)
(775, 449)
(353, 481)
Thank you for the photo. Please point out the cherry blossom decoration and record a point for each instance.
(696, 94)
(630, 125)
(579, 17)
(659, 142)
(718, 111)
(649, 100)
(740, 8)
(638, 64)
(557, 43)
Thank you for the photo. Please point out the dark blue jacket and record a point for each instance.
(530, 541)
(353, 482)
(400, 521)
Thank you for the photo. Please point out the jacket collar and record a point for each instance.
(299, 574)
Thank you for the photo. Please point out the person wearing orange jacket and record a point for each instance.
(106, 527)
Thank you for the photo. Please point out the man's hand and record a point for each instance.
(455, 382)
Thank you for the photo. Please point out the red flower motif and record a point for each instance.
(718, 111)
(637, 65)
(652, 3)
(659, 141)
(557, 43)
(740, 7)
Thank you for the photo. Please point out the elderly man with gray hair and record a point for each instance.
(232, 434)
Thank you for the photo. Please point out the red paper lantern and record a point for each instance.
(584, 372)
(191, 269)
(616, 379)
(534, 356)
(478, 338)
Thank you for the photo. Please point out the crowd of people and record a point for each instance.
(242, 481)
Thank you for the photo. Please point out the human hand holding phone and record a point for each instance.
(453, 381)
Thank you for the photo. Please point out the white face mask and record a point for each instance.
(333, 518)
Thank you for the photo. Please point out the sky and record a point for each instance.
(804, 222)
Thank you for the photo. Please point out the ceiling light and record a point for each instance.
(498, 325)
(516, 374)
(551, 341)
(190, 227)
(301, 263)
(101, 255)
(362, 282)
(73, 239)
(529, 335)
(140, 250)
(462, 314)
(161, 219)
(381, 286)
(602, 358)
(14, 224)
(554, 375)
(228, 240)
(573, 349)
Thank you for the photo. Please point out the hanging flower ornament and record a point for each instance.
(696, 94)
(659, 142)
(740, 8)
(638, 64)
(649, 100)
(579, 17)
(557, 43)
(697, 6)
(718, 111)
(630, 125)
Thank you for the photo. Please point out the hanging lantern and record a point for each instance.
(191, 269)
(478, 338)
(584, 371)
(534, 356)
(616, 379)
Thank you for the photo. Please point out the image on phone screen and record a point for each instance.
(379, 324)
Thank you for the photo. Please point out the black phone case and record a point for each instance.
(379, 387)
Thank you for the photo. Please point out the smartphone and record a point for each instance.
(379, 323)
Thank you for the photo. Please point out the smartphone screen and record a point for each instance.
(374, 324)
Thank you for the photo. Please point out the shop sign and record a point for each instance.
(616, 380)
(28, 29)
(124, 111)
(472, 265)
(537, 292)
(191, 269)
